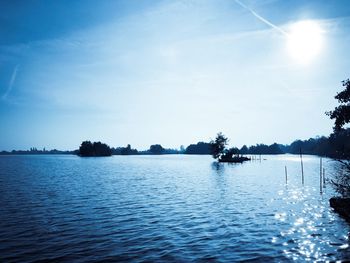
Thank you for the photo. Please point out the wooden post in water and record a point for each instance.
(321, 175)
(324, 178)
(285, 171)
(302, 168)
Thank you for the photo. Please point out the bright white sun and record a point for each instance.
(305, 41)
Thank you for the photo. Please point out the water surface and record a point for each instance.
(166, 208)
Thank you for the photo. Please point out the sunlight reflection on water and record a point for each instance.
(296, 158)
(307, 237)
(166, 208)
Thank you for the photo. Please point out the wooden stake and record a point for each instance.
(285, 171)
(324, 178)
(321, 175)
(302, 168)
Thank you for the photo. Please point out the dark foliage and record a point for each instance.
(263, 149)
(244, 150)
(341, 114)
(229, 155)
(220, 153)
(124, 150)
(199, 148)
(319, 146)
(88, 149)
(156, 149)
(218, 145)
(337, 145)
(36, 151)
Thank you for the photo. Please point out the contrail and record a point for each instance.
(12, 81)
(261, 18)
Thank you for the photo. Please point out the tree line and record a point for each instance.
(336, 145)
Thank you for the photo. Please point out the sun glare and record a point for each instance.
(305, 41)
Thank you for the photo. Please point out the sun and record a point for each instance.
(304, 41)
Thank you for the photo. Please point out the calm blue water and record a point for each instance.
(166, 208)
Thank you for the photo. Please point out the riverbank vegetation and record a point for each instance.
(341, 116)
(341, 181)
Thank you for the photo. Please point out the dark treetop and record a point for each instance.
(88, 149)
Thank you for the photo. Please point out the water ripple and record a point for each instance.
(165, 208)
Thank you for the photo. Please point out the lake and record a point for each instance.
(176, 208)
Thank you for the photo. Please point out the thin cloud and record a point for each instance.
(11, 83)
(261, 18)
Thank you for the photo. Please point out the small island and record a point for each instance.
(223, 155)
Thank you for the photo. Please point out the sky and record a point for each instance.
(168, 72)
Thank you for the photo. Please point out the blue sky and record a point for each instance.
(168, 72)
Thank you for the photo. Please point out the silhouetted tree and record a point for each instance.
(265, 149)
(102, 149)
(87, 149)
(128, 150)
(156, 149)
(199, 148)
(341, 114)
(274, 149)
(218, 145)
(341, 144)
(244, 150)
